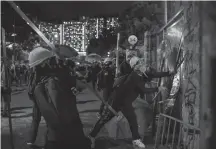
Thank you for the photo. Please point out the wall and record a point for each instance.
(191, 67)
(190, 74)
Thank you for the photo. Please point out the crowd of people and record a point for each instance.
(53, 84)
(18, 76)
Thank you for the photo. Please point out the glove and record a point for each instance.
(119, 118)
(74, 91)
(162, 89)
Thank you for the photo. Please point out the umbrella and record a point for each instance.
(93, 57)
(66, 51)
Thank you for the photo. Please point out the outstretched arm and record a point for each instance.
(151, 73)
(158, 74)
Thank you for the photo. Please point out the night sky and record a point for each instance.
(56, 12)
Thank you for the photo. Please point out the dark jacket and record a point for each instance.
(106, 78)
(72, 130)
(127, 91)
(95, 70)
(125, 68)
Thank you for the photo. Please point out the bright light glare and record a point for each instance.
(10, 46)
(14, 34)
(56, 36)
(173, 32)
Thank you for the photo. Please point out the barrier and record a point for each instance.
(170, 132)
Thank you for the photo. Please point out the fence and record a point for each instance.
(175, 134)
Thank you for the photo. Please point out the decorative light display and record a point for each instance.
(73, 34)
(51, 31)
(77, 34)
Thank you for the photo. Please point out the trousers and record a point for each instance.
(106, 94)
(36, 118)
(5, 101)
(107, 115)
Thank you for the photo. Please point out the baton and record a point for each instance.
(99, 97)
(105, 103)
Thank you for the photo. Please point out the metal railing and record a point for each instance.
(176, 134)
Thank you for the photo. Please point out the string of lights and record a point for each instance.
(76, 33)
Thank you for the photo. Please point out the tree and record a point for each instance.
(137, 19)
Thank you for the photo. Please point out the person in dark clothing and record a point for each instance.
(13, 74)
(105, 82)
(18, 74)
(121, 100)
(5, 89)
(56, 101)
(95, 70)
(26, 75)
(22, 73)
(36, 116)
(125, 67)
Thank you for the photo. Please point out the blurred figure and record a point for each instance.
(13, 74)
(18, 74)
(105, 81)
(26, 74)
(22, 73)
(5, 90)
(56, 102)
(94, 72)
(125, 66)
(88, 73)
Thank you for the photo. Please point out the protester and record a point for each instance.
(94, 72)
(5, 90)
(36, 114)
(13, 74)
(22, 73)
(125, 66)
(56, 101)
(18, 74)
(26, 75)
(105, 81)
(33, 78)
(124, 94)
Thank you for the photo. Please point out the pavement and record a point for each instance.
(21, 109)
